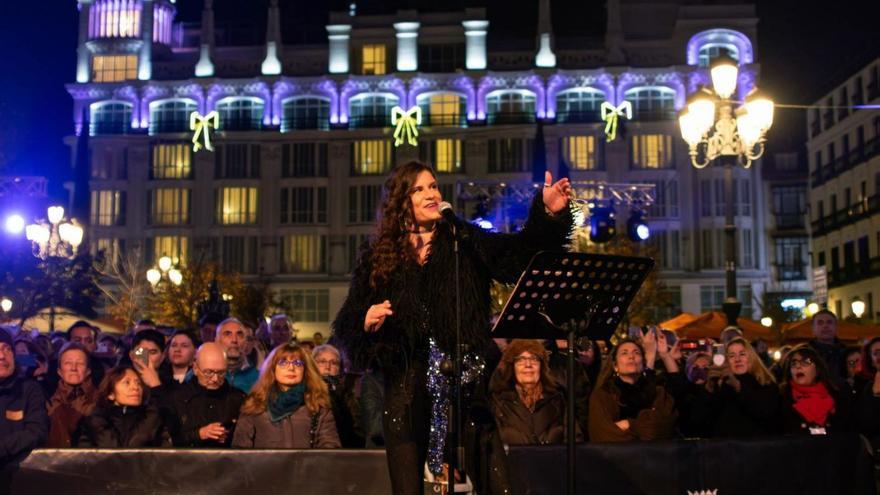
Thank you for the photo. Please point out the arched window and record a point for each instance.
(240, 114)
(579, 105)
(510, 107)
(305, 113)
(443, 109)
(371, 110)
(710, 51)
(110, 117)
(170, 115)
(652, 102)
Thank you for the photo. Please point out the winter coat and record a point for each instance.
(66, 408)
(842, 420)
(422, 295)
(123, 427)
(753, 411)
(650, 423)
(24, 423)
(344, 403)
(868, 413)
(190, 406)
(519, 426)
(293, 432)
(834, 356)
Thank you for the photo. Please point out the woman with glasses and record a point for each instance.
(745, 397)
(343, 397)
(288, 407)
(811, 402)
(628, 403)
(528, 406)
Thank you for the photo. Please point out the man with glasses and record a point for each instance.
(232, 337)
(203, 412)
(343, 395)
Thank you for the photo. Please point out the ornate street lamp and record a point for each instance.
(858, 307)
(164, 270)
(717, 127)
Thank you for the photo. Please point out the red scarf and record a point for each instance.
(813, 402)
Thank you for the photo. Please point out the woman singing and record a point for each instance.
(400, 309)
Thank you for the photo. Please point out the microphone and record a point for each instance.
(452, 219)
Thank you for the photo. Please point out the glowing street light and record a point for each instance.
(812, 309)
(6, 304)
(858, 307)
(55, 238)
(767, 321)
(164, 270)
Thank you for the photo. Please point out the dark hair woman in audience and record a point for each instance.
(868, 402)
(528, 405)
(181, 352)
(811, 403)
(627, 403)
(289, 406)
(694, 420)
(123, 417)
(745, 396)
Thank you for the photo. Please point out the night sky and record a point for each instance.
(804, 50)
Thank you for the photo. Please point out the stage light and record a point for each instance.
(483, 223)
(14, 224)
(637, 228)
(602, 223)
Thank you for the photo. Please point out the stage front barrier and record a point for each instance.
(801, 466)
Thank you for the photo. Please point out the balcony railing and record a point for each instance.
(873, 90)
(790, 220)
(578, 117)
(855, 157)
(652, 115)
(815, 128)
(109, 128)
(444, 119)
(241, 124)
(300, 123)
(855, 272)
(847, 216)
(368, 121)
(510, 118)
(169, 126)
(828, 118)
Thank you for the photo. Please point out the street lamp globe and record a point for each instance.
(767, 321)
(858, 307)
(37, 233)
(812, 308)
(701, 105)
(724, 72)
(6, 304)
(71, 233)
(175, 276)
(165, 263)
(760, 107)
(55, 214)
(153, 276)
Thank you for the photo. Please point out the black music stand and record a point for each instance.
(570, 294)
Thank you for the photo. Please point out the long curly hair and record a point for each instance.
(317, 395)
(390, 245)
(504, 377)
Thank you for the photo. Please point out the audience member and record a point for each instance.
(763, 352)
(208, 327)
(147, 354)
(123, 416)
(289, 406)
(142, 325)
(627, 403)
(694, 420)
(868, 401)
(181, 352)
(74, 398)
(855, 379)
(829, 347)
(526, 399)
(343, 394)
(231, 335)
(24, 423)
(730, 333)
(280, 330)
(203, 411)
(84, 334)
(811, 403)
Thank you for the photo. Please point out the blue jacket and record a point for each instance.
(24, 423)
(243, 380)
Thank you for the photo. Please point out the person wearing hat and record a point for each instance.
(24, 423)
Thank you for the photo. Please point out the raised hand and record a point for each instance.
(556, 195)
(376, 316)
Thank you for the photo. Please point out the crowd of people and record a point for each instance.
(82, 388)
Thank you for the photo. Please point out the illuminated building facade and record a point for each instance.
(305, 131)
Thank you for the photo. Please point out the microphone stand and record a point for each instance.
(456, 413)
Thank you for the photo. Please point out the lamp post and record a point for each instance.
(52, 241)
(858, 307)
(718, 127)
(164, 269)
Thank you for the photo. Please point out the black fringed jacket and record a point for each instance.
(426, 294)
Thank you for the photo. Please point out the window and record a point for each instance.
(307, 305)
(705, 198)
(106, 164)
(115, 19)
(114, 68)
(171, 161)
(791, 259)
(652, 103)
(665, 199)
(445, 155)
(443, 109)
(236, 205)
(113, 117)
(746, 258)
(237, 161)
(789, 206)
(108, 208)
(240, 114)
(510, 155)
(441, 57)
(306, 113)
(355, 241)
(237, 254)
(670, 306)
(112, 249)
(171, 115)
(668, 243)
(370, 157)
(708, 250)
(579, 105)
(711, 51)
(373, 60)
(651, 151)
(175, 247)
(371, 110)
(510, 107)
(168, 206)
(362, 203)
(304, 205)
(579, 152)
(304, 160)
(713, 296)
(303, 253)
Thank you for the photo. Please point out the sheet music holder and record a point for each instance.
(566, 295)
